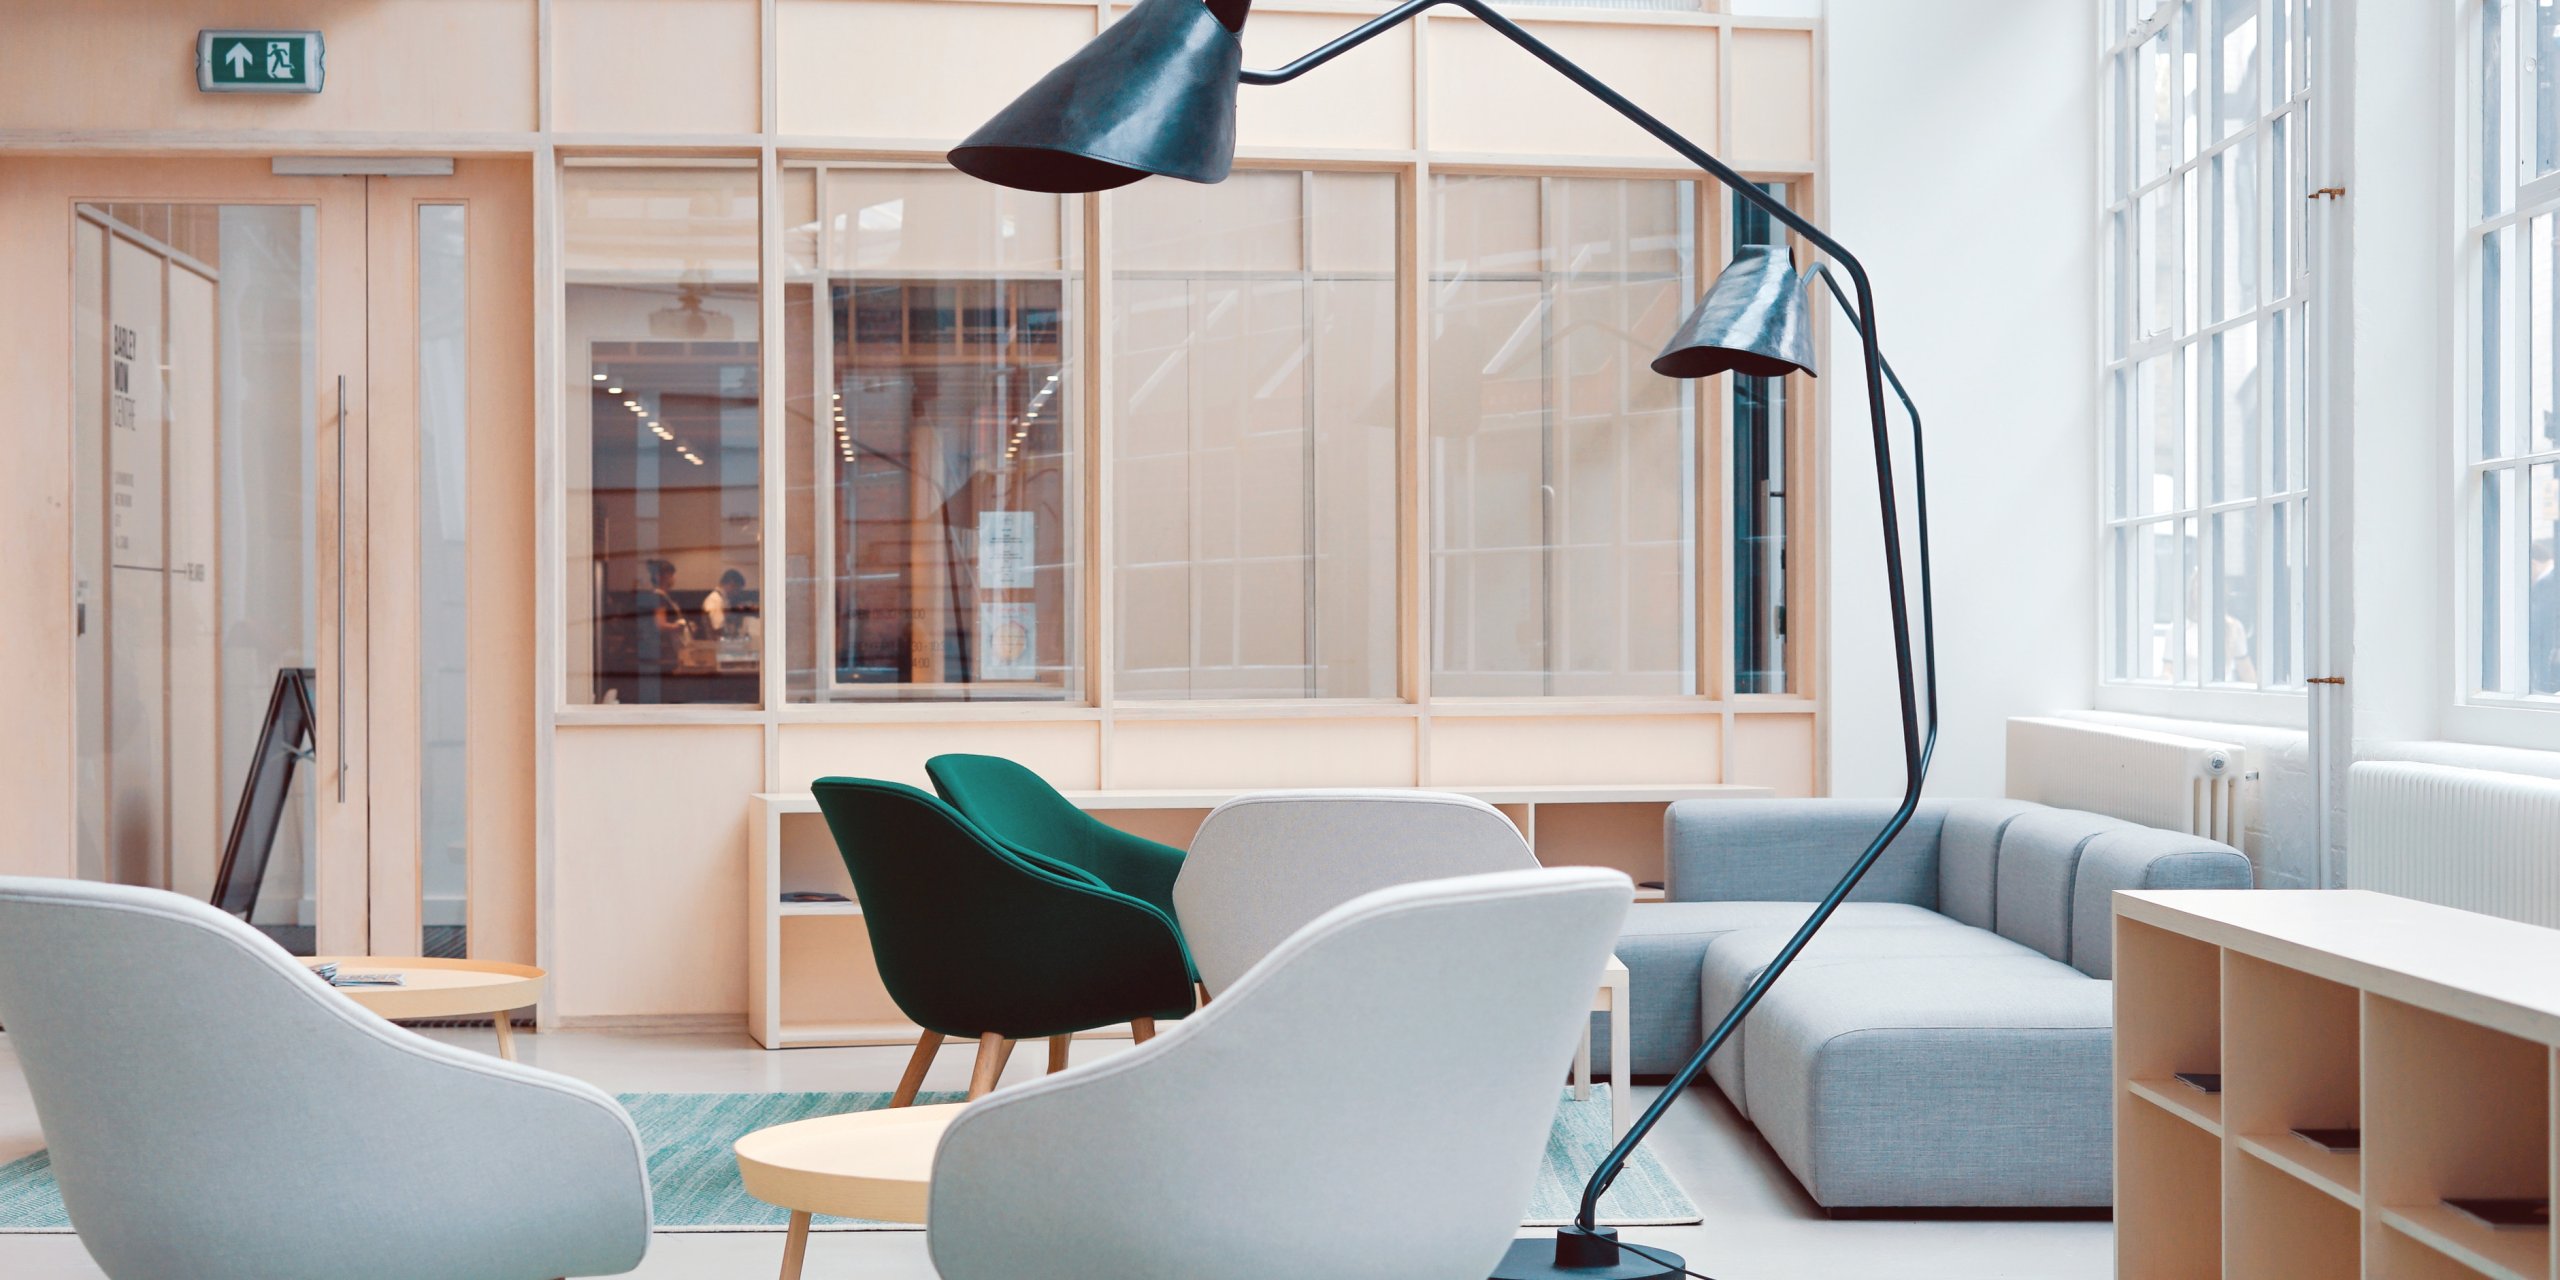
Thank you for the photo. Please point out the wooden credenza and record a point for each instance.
(2430, 1030)
(810, 976)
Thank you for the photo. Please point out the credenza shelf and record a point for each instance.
(2203, 1110)
(2435, 1033)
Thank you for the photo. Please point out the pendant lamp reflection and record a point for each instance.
(1754, 320)
(1155, 93)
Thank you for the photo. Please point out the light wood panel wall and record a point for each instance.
(636, 807)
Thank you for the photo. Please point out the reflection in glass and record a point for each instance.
(1560, 466)
(935, 498)
(1254, 448)
(664, 415)
(194, 440)
(1761, 466)
(444, 579)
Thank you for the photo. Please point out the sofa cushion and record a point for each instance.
(1969, 854)
(1978, 1082)
(1662, 944)
(1735, 960)
(1795, 850)
(2039, 857)
(2143, 858)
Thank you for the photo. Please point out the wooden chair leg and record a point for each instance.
(926, 1046)
(1201, 989)
(993, 1049)
(1058, 1053)
(1141, 1030)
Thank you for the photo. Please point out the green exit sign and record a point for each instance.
(258, 61)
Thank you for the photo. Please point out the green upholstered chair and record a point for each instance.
(1016, 806)
(976, 940)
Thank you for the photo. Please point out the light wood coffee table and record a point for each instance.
(869, 1164)
(437, 988)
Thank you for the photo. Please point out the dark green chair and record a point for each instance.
(975, 940)
(1018, 807)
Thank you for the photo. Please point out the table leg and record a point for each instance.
(795, 1245)
(505, 1022)
(1582, 1063)
(1622, 1100)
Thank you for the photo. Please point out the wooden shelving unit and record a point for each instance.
(810, 976)
(2435, 1033)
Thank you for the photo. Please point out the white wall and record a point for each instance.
(1962, 167)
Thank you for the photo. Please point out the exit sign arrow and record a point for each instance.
(258, 61)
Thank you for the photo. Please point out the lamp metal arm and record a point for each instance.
(1915, 751)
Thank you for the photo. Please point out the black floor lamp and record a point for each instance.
(1155, 94)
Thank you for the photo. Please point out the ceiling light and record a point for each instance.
(611, 391)
(599, 377)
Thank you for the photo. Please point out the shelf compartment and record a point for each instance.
(2291, 1044)
(2169, 1180)
(2455, 1109)
(2280, 1228)
(829, 980)
(2198, 1108)
(2340, 1176)
(808, 857)
(2506, 1255)
(2168, 1008)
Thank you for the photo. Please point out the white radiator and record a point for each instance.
(2156, 779)
(2468, 838)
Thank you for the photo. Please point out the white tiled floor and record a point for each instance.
(1759, 1225)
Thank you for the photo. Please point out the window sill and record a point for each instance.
(2271, 709)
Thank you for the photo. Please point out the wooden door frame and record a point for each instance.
(38, 759)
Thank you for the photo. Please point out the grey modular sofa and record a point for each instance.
(1946, 1040)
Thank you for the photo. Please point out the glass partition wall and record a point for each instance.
(1562, 468)
(664, 414)
(1254, 447)
(935, 486)
(1271, 531)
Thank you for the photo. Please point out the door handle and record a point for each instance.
(342, 589)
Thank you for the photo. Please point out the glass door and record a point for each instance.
(272, 581)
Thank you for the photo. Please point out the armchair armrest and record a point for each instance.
(1134, 865)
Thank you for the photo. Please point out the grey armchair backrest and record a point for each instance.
(1371, 1102)
(1265, 864)
(214, 1111)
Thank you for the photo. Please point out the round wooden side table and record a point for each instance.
(868, 1164)
(440, 988)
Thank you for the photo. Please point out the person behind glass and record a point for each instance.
(720, 608)
(663, 640)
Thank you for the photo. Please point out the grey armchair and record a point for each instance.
(215, 1112)
(1265, 864)
(1232, 1146)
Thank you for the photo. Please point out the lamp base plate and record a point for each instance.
(1534, 1258)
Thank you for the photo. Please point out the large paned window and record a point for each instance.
(2511, 437)
(1254, 439)
(664, 366)
(2206, 487)
(935, 504)
(1561, 468)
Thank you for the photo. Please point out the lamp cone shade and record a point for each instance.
(1754, 320)
(1155, 93)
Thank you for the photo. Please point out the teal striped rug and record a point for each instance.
(694, 1179)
